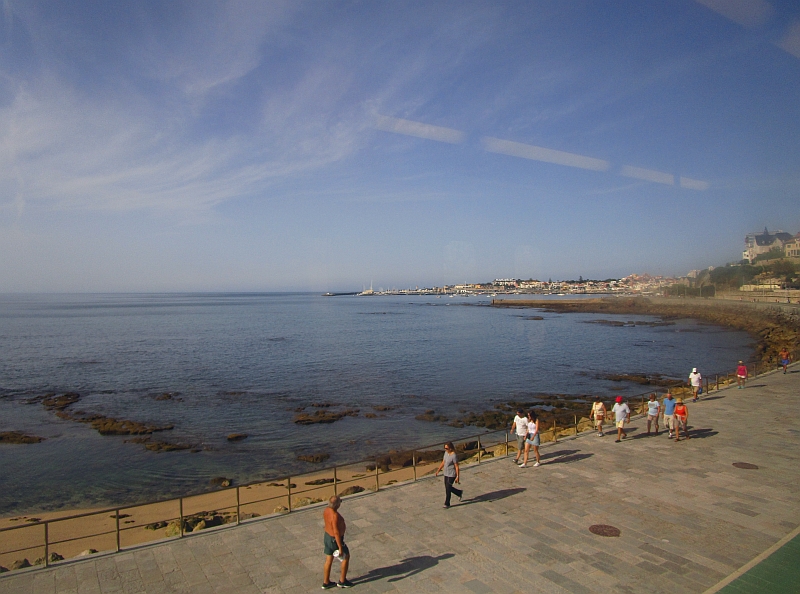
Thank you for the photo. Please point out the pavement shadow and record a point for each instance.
(557, 454)
(712, 398)
(701, 433)
(570, 458)
(756, 386)
(493, 496)
(400, 571)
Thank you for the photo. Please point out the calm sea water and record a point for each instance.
(244, 362)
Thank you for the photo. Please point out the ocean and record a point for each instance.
(216, 364)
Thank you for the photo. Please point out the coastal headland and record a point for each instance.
(772, 328)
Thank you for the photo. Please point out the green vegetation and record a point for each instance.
(733, 276)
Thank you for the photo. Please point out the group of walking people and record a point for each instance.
(673, 410)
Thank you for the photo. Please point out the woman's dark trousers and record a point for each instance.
(449, 488)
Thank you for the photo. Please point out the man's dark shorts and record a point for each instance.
(331, 546)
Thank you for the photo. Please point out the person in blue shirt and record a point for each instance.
(669, 413)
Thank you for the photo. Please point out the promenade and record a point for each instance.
(689, 521)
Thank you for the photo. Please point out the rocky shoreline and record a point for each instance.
(772, 329)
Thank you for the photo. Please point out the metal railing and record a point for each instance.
(175, 518)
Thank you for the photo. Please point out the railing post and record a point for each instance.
(180, 511)
(238, 507)
(377, 480)
(576, 425)
(289, 486)
(116, 521)
(555, 432)
(414, 463)
(335, 481)
(716, 376)
(506, 444)
(479, 449)
(46, 544)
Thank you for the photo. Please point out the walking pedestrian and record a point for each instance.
(520, 427)
(333, 540)
(681, 419)
(622, 415)
(668, 405)
(696, 383)
(785, 357)
(451, 473)
(741, 375)
(598, 414)
(653, 409)
(532, 440)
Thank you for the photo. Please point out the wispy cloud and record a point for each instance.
(419, 129)
(538, 153)
(68, 151)
(651, 175)
(748, 13)
(791, 40)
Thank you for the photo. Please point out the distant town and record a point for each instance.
(769, 267)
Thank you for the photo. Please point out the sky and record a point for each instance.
(322, 146)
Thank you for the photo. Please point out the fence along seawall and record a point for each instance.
(119, 528)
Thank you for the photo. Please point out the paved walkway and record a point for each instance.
(688, 519)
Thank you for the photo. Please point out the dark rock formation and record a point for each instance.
(324, 416)
(315, 458)
(352, 490)
(221, 481)
(237, 436)
(17, 437)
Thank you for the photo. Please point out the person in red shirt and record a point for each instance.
(681, 419)
(741, 374)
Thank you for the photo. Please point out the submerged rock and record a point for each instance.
(237, 436)
(324, 416)
(221, 481)
(314, 458)
(18, 437)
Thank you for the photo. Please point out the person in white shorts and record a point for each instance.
(653, 409)
(598, 414)
(668, 406)
(623, 415)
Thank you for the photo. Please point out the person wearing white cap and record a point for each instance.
(741, 375)
(696, 383)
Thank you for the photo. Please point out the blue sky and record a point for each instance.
(182, 146)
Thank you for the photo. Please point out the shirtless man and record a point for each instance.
(785, 358)
(334, 541)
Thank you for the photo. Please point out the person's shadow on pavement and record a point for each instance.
(400, 571)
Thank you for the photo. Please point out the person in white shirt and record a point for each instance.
(653, 408)
(520, 427)
(696, 382)
(622, 415)
(532, 440)
(598, 414)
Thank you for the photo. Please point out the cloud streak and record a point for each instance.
(419, 130)
(538, 153)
